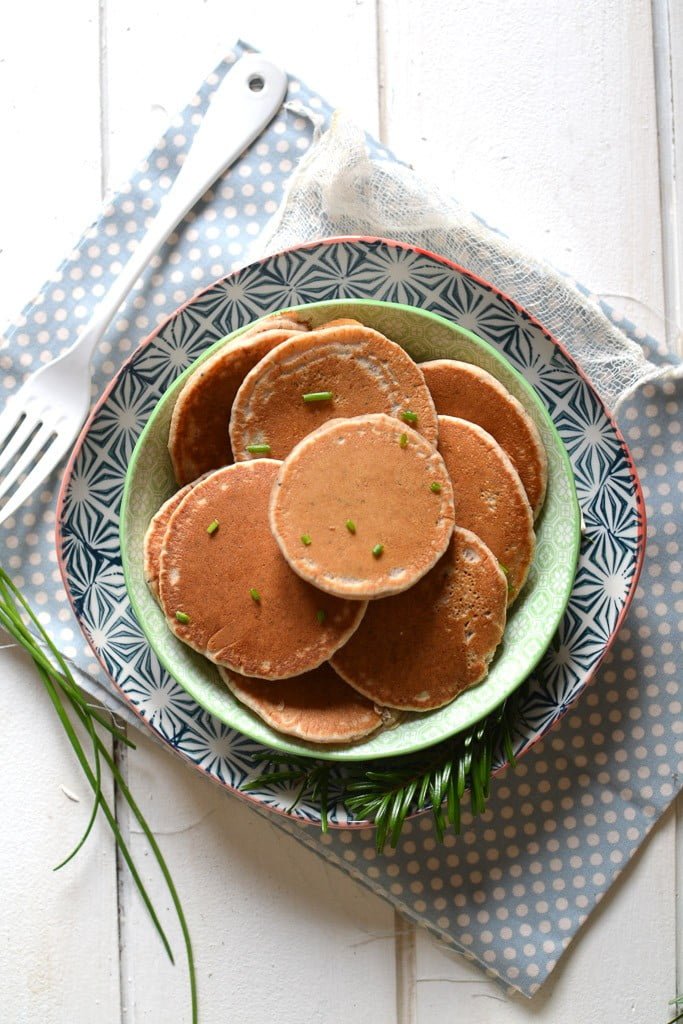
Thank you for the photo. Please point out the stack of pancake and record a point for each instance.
(350, 527)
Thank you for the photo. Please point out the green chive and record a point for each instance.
(504, 568)
(377, 550)
(403, 440)
(259, 449)
(182, 617)
(409, 417)
(350, 526)
(254, 594)
(318, 396)
(435, 487)
(306, 539)
(320, 615)
(212, 527)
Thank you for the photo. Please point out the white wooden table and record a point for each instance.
(553, 119)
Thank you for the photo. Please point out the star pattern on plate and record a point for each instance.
(605, 482)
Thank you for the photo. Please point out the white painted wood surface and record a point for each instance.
(542, 116)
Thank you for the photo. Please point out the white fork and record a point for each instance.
(41, 421)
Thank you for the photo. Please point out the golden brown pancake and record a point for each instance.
(489, 497)
(318, 706)
(198, 439)
(154, 538)
(362, 507)
(360, 368)
(422, 648)
(466, 391)
(230, 594)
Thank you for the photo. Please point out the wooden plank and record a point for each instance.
(524, 113)
(49, 125)
(171, 49)
(58, 932)
(50, 923)
(268, 919)
(619, 968)
(278, 933)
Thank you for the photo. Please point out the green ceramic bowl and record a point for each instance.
(533, 618)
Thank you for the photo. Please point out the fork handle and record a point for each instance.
(243, 104)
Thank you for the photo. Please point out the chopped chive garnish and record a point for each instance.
(259, 449)
(504, 568)
(435, 487)
(403, 440)
(377, 550)
(254, 595)
(182, 617)
(320, 615)
(318, 396)
(409, 417)
(350, 526)
(306, 539)
(212, 527)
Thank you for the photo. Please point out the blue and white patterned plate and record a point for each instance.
(88, 510)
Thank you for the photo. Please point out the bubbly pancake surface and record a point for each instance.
(466, 391)
(362, 370)
(199, 438)
(362, 507)
(489, 497)
(318, 706)
(239, 602)
(420, 649)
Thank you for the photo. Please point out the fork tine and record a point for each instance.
(17, 440)
(9, 417)
(40, 472)
(25, 459)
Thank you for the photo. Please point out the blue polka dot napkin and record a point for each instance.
(514, 888)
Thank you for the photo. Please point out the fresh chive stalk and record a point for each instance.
(318, 396)
(212, 527)
(68, 700)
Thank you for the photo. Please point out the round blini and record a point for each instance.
(470, 393)
(230, 595)
(420, 649)
(362, 370)
(363, 507)
(318, 707)
(489, 497)
(199, 439)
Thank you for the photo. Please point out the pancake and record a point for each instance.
(318, 706)
(470, 393)
(363, 370)
(363, 507)
(240, 603)
(154, 538)
(489, 497)
(420, 649)
(198, 438)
